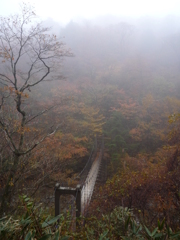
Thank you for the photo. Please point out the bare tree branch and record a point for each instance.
(30, 55)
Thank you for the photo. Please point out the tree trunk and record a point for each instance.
(6, 198)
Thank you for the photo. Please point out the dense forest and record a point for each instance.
(119, 78)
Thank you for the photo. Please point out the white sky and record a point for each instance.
(65, 10)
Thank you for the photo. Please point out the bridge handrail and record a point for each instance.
(83, 192)
(85, 165)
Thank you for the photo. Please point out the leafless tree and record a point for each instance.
(29, 55)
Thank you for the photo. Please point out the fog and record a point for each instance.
(65, 11)
(113, 41)
(105, 69)
(109, 42)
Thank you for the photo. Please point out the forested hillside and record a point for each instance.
(118, 78)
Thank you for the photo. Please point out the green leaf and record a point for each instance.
(56, 237)
(26, 221)
(3, 218)
(154, 232)
(65, 238)
(174, 235)
(26, 199)
(168, 231)
(103, 235)
(147, 231)
(28, 236)
(161, 225)
(45, 237)
(29, 204)
(87, 236)
(157, 235)
(50, 222)
(127, 223)
(24, 196)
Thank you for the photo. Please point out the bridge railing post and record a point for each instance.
(96, 143)
(57, 200)
(78, 201)
(76, 192)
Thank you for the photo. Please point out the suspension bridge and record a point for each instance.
(87, 180)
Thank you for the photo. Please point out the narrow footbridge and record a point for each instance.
(87, 180)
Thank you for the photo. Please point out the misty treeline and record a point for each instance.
(130, 72)
(119, 78)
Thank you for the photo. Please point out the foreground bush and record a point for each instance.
(119, 224)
